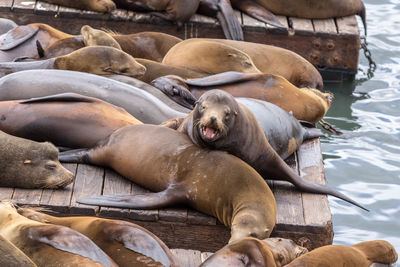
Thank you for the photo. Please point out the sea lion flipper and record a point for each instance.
(17, 36)
(229, 22)
(221, 79)
(257, 11)
(75, 156)
(65, 97)
(139, 241)
(140, 201)
(66, 239)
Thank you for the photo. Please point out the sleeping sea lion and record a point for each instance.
(101, 60)
(219, 122)
(28, 164)
(49, 245)
(67, 120)
(11, 256)
(168, 163)
(6, 25)
(306, 104)
(93, 37)
(124, 242)
(359, 255)
(266, 58)
(249, 251)
(103, 6)
(146, 108)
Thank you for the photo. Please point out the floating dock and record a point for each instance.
(332, 45)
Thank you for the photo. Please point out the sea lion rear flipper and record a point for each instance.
(310, 130)
(17, 36)
(66, 239)
(221, 79)
(229, 22)
(157, 200)
(75, 156)
(137, 240)
(64, 97)
(257, 11)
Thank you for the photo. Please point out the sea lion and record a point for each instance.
(359, 255)
(22, 40)
(101, 60)
(124, 242)
(249, 251)
(49, 245)
(146, 107)
(11, 256)
(6, 25)
(267, 59)
(167, 162)
(208, 57)
(178, 11)
(219, 122)
(28, 164)
(93, 37)
(67, 120)
(306, 104)
(103, 6)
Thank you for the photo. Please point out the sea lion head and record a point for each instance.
(284, 250)
(249, 224)
(104, 6)
(93, 37)
(214, 116)
(101, 60)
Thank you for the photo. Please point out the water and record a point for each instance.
(364, 162)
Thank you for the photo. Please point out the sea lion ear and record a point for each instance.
(27, 161)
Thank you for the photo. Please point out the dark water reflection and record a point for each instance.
(364, 162)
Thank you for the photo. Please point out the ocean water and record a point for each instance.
(364, 162)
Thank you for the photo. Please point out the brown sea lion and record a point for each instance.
(49, 245)
(219, 122)
(93, 37)
(306, 104)
(66, 120)
(11, 256)
(28, 164)
(178, 11)
(249, 251)
(359, 255)
(267, 59)
(104, 6)
(100, 60)
(22, 40)
(6, 25)
(209, 57)
(124, 242)
(167, 162)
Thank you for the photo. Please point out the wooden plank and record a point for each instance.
(324, 26)
(45, 8)
(27, 196)
(115, 184)
(119, 15)
(187, 257)
(59, 200)
(143, 215)
(195, 217)
(88, 182)
(86, 14)
(249, 22)
(5, 5)
(6, 193)
(68, 12)
(173, 215)
(25, 6)
(205, 255)
(348, 25)
(301, 25)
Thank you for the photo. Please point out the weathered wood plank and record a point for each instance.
(324, 26)
(173, 215)
(26, 6)
(348, 25)
(46, 8)
(249, 22)
(68, 12)
(195, 217)
(301, 25)
(119, 15)
(5, 5)
(188, 257)
(59, 200)
(143, 215)
(205, 255)
(6, 193)
(27, 196)
(88, 182)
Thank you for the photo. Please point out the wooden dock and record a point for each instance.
(303, 217)
(330, 44)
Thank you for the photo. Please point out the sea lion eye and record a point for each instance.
(124, 70)
(253, 235)
(50, 166)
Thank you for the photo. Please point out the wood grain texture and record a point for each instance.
(347, 25)
(27, 196)
(188, 257)
(46, 8)
(324, 26)
(26, 6)
(5, 5)
(6, 193)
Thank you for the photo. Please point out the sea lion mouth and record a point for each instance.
(209, 134)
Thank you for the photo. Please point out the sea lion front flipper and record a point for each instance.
(17, 36)
(257, 11)
(66, 239)
(229, 22)
(221, 79)
(64, 97)
(137, 240)
(157, 200)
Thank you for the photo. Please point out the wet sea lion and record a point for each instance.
(49, 245)
(103, 6)
(359, 255)
(101, 60)
(28, 164)
(219, 122)
(146, 107)
(209, 57)
(267, 58)
(271, 252)
(6, 25)
(306, 104)
(178, 11)
(167, 162)
(93, 37)
(67, 120)
(11, 256)
(124, 242)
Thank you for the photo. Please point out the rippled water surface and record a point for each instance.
(364, 162)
